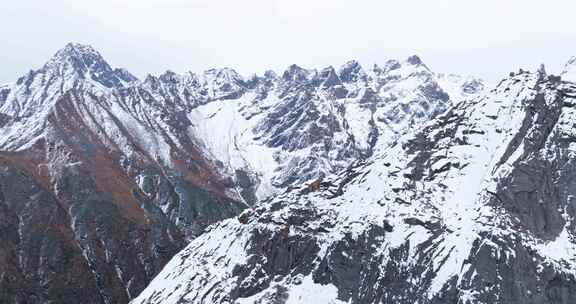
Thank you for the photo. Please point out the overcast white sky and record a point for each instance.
(488, 38)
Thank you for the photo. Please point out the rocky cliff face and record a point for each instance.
(477, 206)
(103, 177)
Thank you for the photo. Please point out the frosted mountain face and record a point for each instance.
(475, 207)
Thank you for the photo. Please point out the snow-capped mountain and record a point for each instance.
(477, 206)
(104, 177)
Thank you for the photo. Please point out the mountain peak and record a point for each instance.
(78, 48)
(414, 60)
(74, 66)
(351, 71)
(80, 61)
(329, 77)
(80, 55)
(295, 73)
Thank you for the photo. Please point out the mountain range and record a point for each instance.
(388, 184)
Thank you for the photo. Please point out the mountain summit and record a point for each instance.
(83, 61)
(75, 67)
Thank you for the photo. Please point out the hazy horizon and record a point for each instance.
(487, 39)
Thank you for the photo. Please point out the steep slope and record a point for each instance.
(97, 192)
(476, 207)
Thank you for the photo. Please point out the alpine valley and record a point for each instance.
(383, 184)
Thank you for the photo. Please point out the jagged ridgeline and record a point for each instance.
(391, 184)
